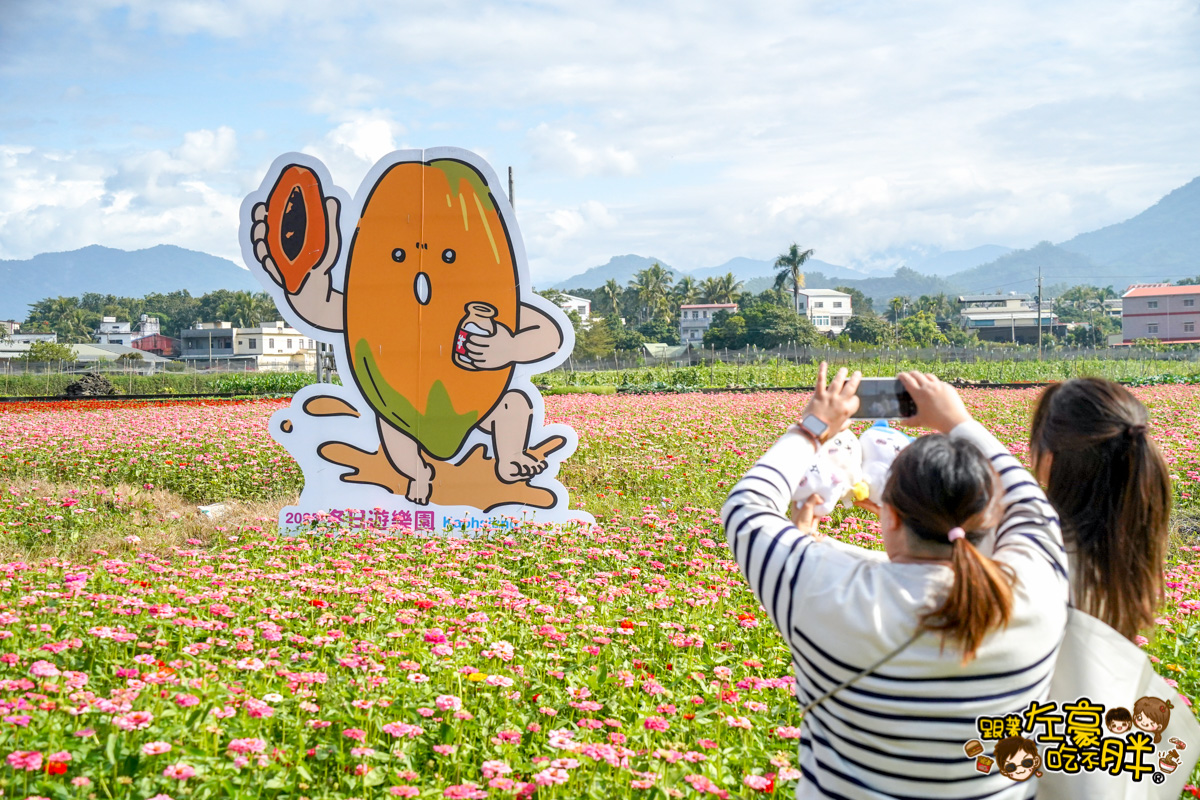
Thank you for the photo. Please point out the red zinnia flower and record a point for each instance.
(56, 768)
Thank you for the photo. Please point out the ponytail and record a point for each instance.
(944, 491)
(1112, 489)
(980, 600)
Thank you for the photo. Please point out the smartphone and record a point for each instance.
(884, 398)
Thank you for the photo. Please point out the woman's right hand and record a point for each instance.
(836, 403)
(938, 405)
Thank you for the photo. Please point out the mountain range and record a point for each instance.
(163, 268)
(1160, 243)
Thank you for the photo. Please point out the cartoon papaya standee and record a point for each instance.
(427, 305)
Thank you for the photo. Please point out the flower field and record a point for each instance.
(148, 651)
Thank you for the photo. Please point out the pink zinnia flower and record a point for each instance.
(180, 772)
(464, 791)
(404, 791)
(356, 734)
(242, 746)
(43, 669)
(29, 760)
(656, 724)
(551, 776)
(134, 720)
(448, 702)
(155, 748)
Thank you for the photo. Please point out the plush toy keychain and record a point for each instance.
(848, 468)
(879, 444)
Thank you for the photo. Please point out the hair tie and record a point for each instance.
(955, 534)
(1136, 430)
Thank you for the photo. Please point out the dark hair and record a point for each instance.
(937, 484)
(1159, 712)
(1111, 487)
(1008, 747)
(1118, 714)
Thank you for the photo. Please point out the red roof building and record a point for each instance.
(158, 344)
(1162, 312)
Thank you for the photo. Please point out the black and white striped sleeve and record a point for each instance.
(1029, 525)
(765, 544)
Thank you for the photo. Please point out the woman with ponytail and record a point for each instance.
(1108, 481)
(897, 654)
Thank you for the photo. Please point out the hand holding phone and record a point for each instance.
(938, 405)
(884, 398)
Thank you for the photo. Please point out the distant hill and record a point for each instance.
(1162, 240)
(953, 261)
(164, 268)
(622, 268)
(1018, 270)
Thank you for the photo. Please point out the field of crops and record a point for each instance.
(149, 650)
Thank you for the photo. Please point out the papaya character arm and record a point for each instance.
(536, 337)
(315, 300)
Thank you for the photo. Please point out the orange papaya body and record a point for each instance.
(430, 242)
(297, 227)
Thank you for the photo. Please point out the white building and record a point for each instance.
(828, 309)
(147, 326)
(694, 320)
(113, 332)
(276, 347)
(580, 305)
(1160, 311)
(272, 346)
(1008, 317)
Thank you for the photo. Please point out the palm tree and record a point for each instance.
(610, 299)
(653, 287)
(68, 320)
(687, 291)
(723, 289)
(245, 309)
(896, 308)
(789, 265)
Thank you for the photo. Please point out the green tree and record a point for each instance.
(686, 292)
(609, 304)
(769, 326)
(721, 289)
(47, 351)
(660, 330)
(625, 339)
(789, 265)
(869, 329)
(726, 330)
(653, 287)
(860, 304)
(594, 341)
(897, 307)
(921, 330)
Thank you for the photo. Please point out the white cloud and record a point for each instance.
(557, 149)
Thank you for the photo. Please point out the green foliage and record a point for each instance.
(726, 331)
(594, 341)
(660, 330)
(625, 339)
(860, 304)
(39, 352)
(921, 330)
(869, 329)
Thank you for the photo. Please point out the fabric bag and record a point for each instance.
(1100, 664)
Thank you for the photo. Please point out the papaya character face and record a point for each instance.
(429, 243)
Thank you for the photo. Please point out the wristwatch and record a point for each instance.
(815, 427)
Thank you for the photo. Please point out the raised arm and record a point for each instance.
(767, 546)
(1029, 526)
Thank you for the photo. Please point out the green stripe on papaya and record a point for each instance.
(455, 171)
(440, 430)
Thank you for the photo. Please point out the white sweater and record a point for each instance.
(899, 732)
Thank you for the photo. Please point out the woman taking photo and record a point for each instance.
(896, 655)
(1112, 489)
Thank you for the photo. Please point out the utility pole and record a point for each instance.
(511, 201)
(1039, 299)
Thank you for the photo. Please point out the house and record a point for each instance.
(1008, 317)
(205, 343)
(157, 344)
(113, 332)
(1160, 311)
(30, 338)
(580, 305)
(146, 326)
(276, 347)
(1112, 308)
(271, 346)
(694, 320)
(103, 353)
(828, 310)
(8, 327)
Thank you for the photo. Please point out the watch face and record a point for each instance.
(814, 426)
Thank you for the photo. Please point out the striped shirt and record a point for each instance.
(898, 732)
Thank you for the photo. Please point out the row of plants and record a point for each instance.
(165, 383)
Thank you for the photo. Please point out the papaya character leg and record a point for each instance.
(404, 454)
(509, 424)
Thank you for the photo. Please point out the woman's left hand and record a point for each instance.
(804, 516)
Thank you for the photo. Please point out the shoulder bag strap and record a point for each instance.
(864, 673)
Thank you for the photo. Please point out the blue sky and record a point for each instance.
(690, 131)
